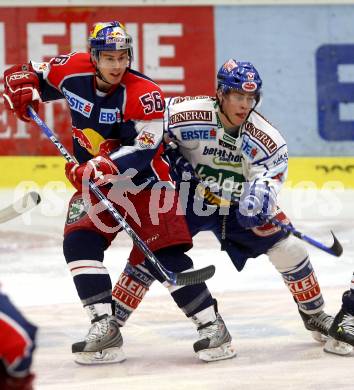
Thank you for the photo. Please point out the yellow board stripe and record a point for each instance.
(320, 171)
(40, 170)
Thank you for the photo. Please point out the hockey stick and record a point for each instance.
(335, 249)
(179, 279)
(20, 206)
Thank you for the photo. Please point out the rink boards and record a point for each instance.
(304, 172)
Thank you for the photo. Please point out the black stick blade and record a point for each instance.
(336, 248)
(195, 276)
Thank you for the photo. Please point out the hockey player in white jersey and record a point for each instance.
(224, 141)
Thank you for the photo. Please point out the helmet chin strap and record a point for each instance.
(100, 76)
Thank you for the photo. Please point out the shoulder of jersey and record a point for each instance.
(263, 132)
(70, 65)
(191, 110)
(188, 103)
(144, 98)
(179, 102)
(262, 123)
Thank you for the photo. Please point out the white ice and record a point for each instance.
(274, 349)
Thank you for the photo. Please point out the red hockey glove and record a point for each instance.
(21, 89)
(99, 169)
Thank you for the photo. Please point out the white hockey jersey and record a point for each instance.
(258, 152)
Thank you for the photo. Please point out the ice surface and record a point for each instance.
(274, 349)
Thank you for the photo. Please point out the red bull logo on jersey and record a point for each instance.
(77, 103)
(146, 139)
(88, 139)
(110, 115)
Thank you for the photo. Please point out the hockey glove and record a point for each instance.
(257, 204)
(181, 168)
(99, 169)
(21, 89)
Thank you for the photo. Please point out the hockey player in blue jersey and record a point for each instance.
(17, 344)
(227, 143)
(117, 126)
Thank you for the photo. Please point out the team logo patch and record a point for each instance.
(146, 139)
(191, 116)
(41, 67)
(229, 65)
(77, 210)
(202, 134)
(78, 103)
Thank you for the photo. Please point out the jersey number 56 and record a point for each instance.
(152, 102)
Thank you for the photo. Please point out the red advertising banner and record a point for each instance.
(172, 45)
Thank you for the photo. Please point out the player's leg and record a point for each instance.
(341, 340)
(291, 259)
(195, 301)
(84, 247)
(17, 343)
(198, 305)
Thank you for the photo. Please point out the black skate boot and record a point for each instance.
(318, 323)
(341, 340)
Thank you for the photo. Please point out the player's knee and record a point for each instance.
(287, 254)
(173, 258)
(84, 244)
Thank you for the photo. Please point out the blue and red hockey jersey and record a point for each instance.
(127, 122)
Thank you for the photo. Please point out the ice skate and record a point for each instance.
(102, 344)
(341, 334)
(214, 339)
(318, 323)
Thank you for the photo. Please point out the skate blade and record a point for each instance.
(337, 347)
(318, 336)
(109, 355)
(225, 351)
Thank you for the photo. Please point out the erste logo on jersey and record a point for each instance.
(110, 115)
(249, 147)
(202, 134)
(78, 103)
